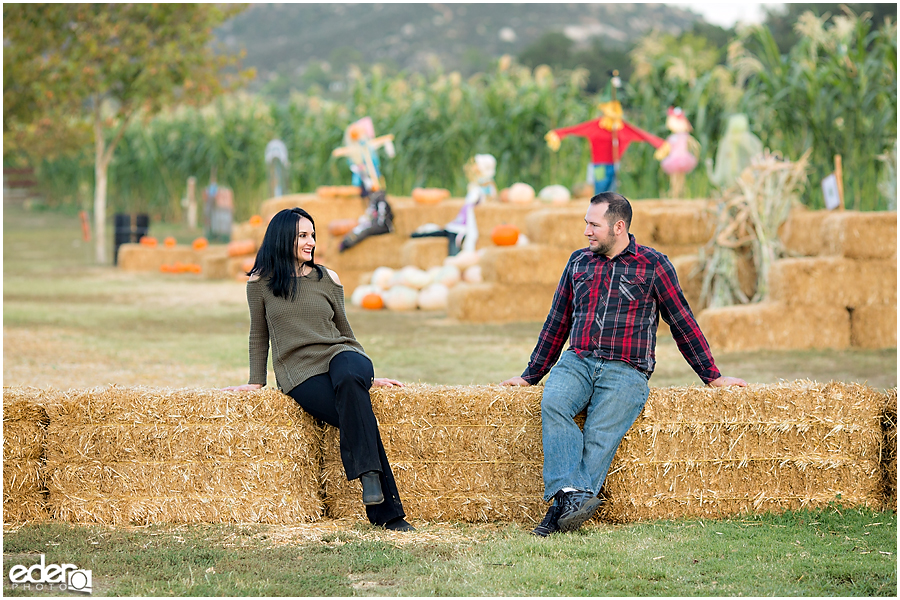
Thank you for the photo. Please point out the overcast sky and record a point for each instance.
(727, 14)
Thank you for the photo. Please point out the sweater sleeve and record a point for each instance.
(340, 312)
(259, 333)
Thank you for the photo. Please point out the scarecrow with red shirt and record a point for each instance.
(609, 135)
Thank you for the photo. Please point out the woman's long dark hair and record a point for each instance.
(276, 259)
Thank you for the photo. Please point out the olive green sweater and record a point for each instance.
(305, 333)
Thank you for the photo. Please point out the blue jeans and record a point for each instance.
(604, 176)
(613, 392)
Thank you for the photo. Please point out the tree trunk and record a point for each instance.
(101, 164)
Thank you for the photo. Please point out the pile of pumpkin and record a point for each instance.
(411, 288)
(177, 267)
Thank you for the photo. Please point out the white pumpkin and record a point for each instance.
(401, 297)
(521, 193)
(362, 291)
(473, 274)
(414, 277)
(555, 194)
(448, 275)
(381, 277)
(463, 260)
(523, 240)
(434, 297)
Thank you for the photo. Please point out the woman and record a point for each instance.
(298, 306)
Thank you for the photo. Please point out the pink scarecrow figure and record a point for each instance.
(681, 152)
(609, 136)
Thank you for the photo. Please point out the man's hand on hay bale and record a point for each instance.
(385, 382)
(247, 387)
(515, 381)
(725, 381)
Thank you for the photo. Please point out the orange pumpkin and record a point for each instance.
(169, 242)
(241, 247)
(505, 235)
(430, 195)
(165, 268)
(247, 264)
(148, 241)
(200, 243)
(372, 302)
(192, 268)
(256, 220)
(340, 227)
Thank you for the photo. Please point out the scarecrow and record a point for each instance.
(609, 135)
(360, 149)
(680, 153)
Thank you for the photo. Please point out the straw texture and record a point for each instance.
(499, 302)
(860, 235)
(24, 429)
(141, 455)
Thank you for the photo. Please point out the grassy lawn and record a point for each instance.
(68, 323)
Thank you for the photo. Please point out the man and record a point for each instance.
(610, 298)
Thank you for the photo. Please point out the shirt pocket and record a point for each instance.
(634, 288)
(582, 283)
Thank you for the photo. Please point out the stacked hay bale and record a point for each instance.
(701, 452)
(140, 258)
(474, 454)
(519, 282)
(24, 429)
(845, 297)
(141, 455)
(458, 453)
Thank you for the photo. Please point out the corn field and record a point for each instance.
(835, 92)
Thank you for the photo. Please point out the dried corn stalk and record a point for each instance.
(748, 217)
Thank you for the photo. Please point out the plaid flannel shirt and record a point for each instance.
(611, 308)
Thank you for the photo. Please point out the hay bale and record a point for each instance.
(214, 264)
(707, 453)
(458, 453)
(889, 449)
(527, 265)
(368, 255)
(801, 234)
(860, 235)
(874, 326)
(499, 302)
(145, 455)
(492, 214)
(323, 210)
(560, 227)
(424, 253)
(137, 257)
(681, 225)
(410, 215)
(24, 429)
(833, 281)
(673, 250)
(775, 326)
(687, 268)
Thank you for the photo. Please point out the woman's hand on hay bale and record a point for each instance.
(247, 387)
(515, 381)
(385, 382)
(725, 381)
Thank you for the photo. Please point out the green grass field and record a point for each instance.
(68, 323)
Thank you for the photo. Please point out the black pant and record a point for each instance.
(340, 398)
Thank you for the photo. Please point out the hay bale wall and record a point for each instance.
(142, 455)
(833, 281)
(874, 326)
(530, 265)
(499, 302)
(860, 235)
(137, 257)
(424, 252)
(24, 430)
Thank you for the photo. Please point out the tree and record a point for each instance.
(67, 65)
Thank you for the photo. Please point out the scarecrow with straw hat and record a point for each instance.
(609, 135)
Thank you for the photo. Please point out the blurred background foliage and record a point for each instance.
(826, 82)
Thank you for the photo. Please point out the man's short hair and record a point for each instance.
(618, 207)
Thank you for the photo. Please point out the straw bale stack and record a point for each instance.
(682, 225)
(24, 429)
(801, 234)
(769, 325)
(458, 453)
(533, 264)
(860, 235)
(410, 215)
(673, 250)
(214, 264)
(496, 213)
(560, 227)
(835, 281)
(373, 252)
(687, 268)
(323, 210)
(136, 257)
(701, 452)
(141, 455)
(249, 231)
(874, 326)
(499, 302)
(424, 253)
(889, 449)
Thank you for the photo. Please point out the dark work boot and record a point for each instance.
(371, 488)
(577, 507)
(550, 523)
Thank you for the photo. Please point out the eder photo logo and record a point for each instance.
(52, 577)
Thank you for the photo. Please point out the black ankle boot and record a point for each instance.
(371, 488)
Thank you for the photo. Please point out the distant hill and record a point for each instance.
(283, 39)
